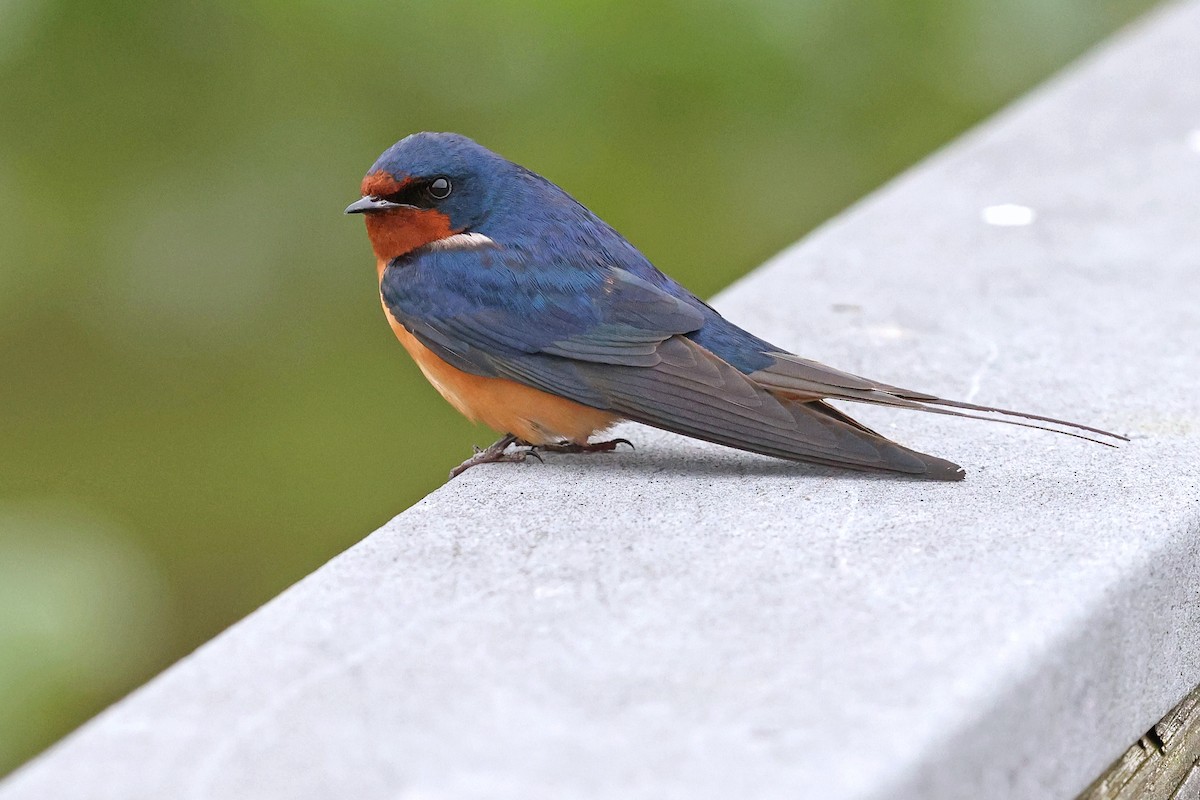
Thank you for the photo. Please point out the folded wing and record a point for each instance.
(609, 339)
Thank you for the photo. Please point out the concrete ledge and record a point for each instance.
(691, 621)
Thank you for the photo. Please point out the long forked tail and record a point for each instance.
(924, 405)
(803, 379)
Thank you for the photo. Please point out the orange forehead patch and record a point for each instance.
(380, 184)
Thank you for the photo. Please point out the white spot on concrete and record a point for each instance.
(1193, 140)
(1009, 215)
(543, 592)
(462, 241)
(888, 333)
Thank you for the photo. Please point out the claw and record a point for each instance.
(596, 447)
(498, 452)
(495, 455)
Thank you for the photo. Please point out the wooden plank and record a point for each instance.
(1162, 765)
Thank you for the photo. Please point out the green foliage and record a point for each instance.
(201, 401)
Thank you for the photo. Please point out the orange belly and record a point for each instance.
(507, 406)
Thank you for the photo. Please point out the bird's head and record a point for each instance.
(426, 187)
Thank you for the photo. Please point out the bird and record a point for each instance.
(530, 314)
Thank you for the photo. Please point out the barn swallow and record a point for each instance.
(529, 313)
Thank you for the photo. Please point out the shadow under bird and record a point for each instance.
(532, 315)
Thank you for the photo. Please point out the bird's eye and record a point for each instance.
(440, 188)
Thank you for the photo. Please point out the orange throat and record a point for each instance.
(395, 233)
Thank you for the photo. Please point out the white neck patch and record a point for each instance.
(462, 241)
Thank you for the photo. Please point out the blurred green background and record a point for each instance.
(200, 399)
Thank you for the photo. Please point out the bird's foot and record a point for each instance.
(591, 447)
(497, 454)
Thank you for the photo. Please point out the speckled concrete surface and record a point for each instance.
(688, 621)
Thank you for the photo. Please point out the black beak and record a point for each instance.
(372, 204)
